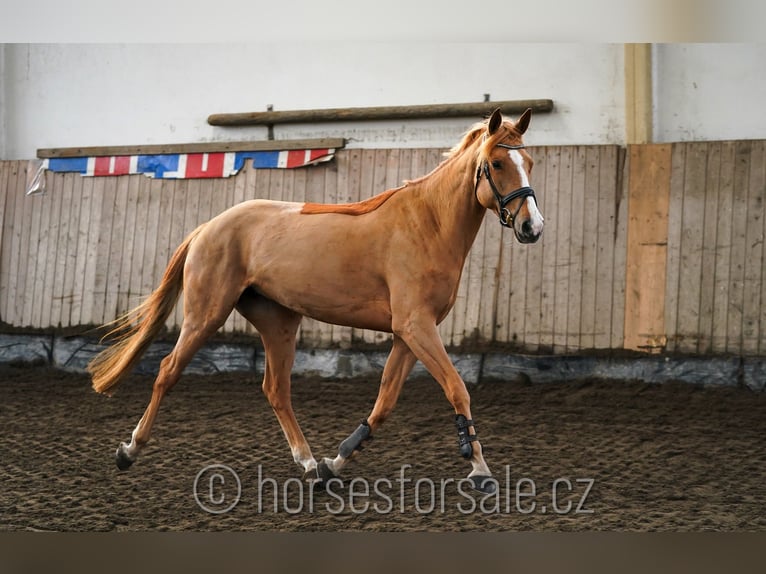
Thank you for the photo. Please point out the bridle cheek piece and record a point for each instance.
(506, 217)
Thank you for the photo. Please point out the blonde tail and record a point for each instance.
(140, 326)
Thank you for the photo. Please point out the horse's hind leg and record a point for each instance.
(398, 365)
(277, 327)
(203, 316)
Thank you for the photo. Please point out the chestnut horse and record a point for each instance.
(390, 263)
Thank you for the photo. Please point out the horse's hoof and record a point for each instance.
(311, 476)
(484, 484)
(324, 473)
(122, 458)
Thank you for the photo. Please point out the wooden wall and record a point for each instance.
(716, 301)
(650, 247)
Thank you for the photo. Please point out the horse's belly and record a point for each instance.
(336, 306)
(361, 318)
(355, 298)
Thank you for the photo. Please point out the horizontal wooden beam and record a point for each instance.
(478, 109)
(207, 147)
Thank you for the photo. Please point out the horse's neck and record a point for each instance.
(449, 194)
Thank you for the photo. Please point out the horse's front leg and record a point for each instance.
(398, 365)
(421, 335)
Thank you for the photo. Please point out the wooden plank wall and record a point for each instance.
(91, 248)
(716, 268)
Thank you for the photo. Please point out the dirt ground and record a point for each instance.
(591, 455)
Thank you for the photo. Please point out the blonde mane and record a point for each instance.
(470, 138)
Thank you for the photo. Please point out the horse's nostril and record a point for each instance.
(526, 227)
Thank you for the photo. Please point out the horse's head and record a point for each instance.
(502, 177)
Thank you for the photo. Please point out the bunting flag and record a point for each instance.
(187, 165)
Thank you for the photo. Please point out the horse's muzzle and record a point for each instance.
(527, 233)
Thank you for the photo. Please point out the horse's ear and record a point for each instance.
(494, 121)
(523, 122)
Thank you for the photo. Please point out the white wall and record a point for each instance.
(62, 95)
(710, 92)
(82, 95)
(3, 85)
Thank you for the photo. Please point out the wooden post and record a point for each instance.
(638, 93)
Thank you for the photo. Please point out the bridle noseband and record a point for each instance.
(506, 217)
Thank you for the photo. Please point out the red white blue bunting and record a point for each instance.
(187, 165)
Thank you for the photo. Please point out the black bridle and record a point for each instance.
(506, 217)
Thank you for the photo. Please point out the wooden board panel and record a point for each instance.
(709, 247)
(139, 262)
(501, 326)
(675, 242)
(35, 258)
(162, 249)
(723, 228)
(754, 263)
(125, 299)
(576, 194)
(690, 263)
(107, 187)
(26, 269)
(758, 187)
(80, 259)
(645, 282)
(549, 249)
(737, 263)
(5, 210)
(471, 292)
(492, 235)
(287, 186)
(620, 250)
(562, 266)
(532, 271)
(63, 248)
(590, 249)
(117, 253)
(513, 288)
(93, 230)
(19, 257)
(10, 267)
(607, 223)
(123, 237)
(71, 279)
(263, 187)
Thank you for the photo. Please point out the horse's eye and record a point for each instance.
(497, 164)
